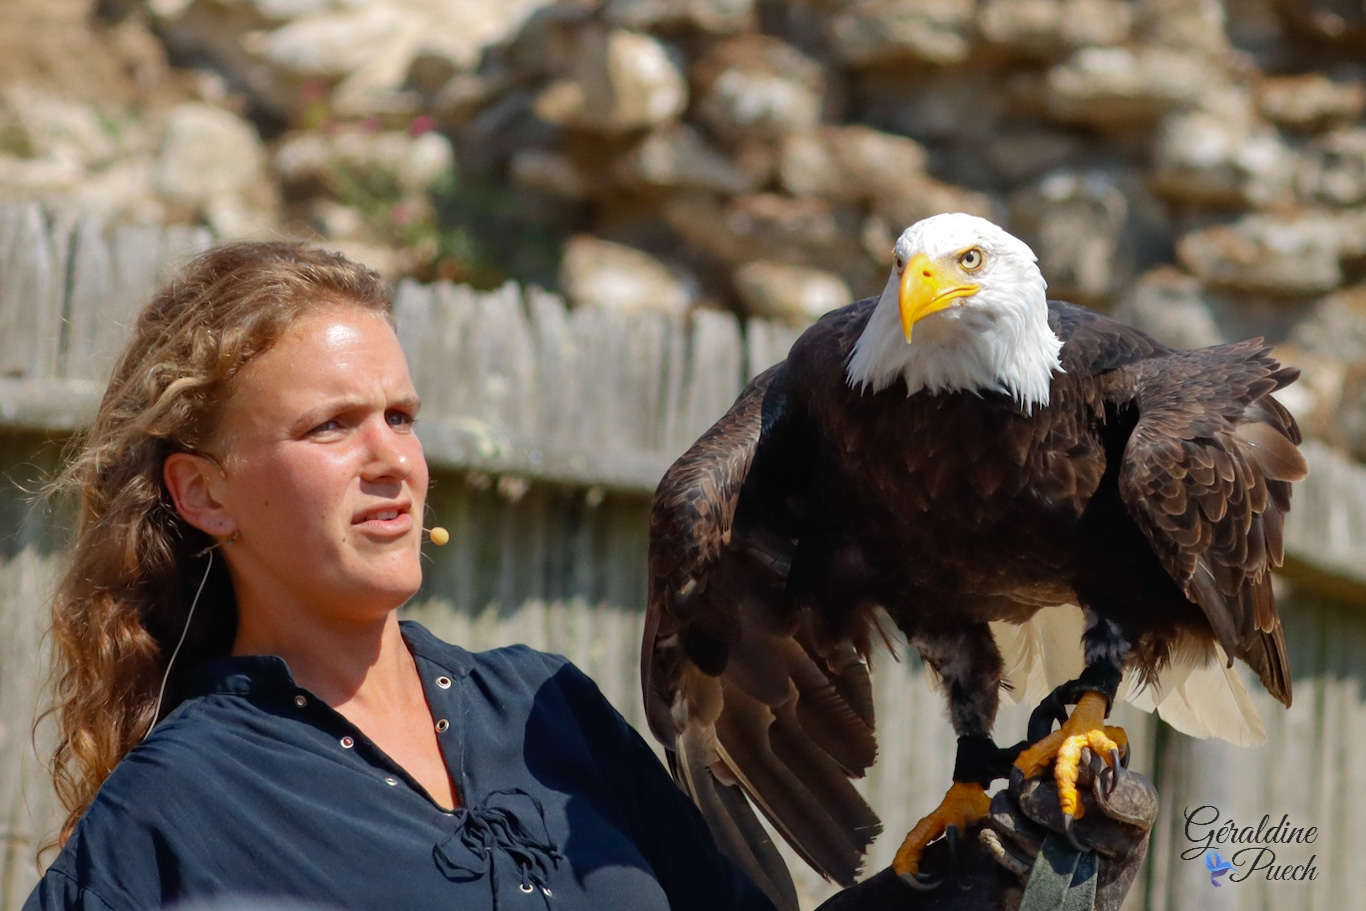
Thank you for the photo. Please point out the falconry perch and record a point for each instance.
(956, 454)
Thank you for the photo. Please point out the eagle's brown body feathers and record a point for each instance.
(1150, 490)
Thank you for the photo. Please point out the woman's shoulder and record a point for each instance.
(512, 661)
(177, 759)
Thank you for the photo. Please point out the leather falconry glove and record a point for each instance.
(990, 867)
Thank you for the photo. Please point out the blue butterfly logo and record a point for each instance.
(1217, 867)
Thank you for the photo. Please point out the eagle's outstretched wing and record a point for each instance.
(750, 692)
(1206, 475)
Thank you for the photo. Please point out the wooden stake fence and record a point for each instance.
(547, 430)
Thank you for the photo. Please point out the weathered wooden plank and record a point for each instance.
(179, 245)
(412, 323)
(447, 365)
(767, 343)
(1325, 531)
(28, 806)
(1344, 825)
(501, 357)
(675, 390)
(32, 292)
(48, 404)
(1303, 771)
(472, 444)
(647, 346)
(62, 225)
(557, 372)
(715, 368)
(592, 415)
(135, 254)
(91, 276)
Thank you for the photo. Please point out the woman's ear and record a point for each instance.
(190, 480)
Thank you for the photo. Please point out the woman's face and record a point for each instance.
(323, 476)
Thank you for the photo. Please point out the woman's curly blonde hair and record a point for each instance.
(122, 604)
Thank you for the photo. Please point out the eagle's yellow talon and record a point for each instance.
(1084, 728)
(963, 805)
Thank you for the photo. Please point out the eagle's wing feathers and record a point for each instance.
(745, 689)
(1206, 475)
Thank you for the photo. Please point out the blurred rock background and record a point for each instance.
(1196, 166)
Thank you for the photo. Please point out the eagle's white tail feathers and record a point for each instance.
(1200, 696)
(1037, 653)
(1197, 693)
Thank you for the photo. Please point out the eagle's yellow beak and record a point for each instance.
(924, 290)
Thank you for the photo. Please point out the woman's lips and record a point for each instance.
(390, 521)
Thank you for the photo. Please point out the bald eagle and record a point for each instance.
(956, 454)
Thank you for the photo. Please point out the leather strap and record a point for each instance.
(1063, 878)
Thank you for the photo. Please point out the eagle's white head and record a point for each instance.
(975, 298)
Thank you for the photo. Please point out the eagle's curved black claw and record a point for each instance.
(1117, 771)
(919, 884)
(1070, 833)
(951, 836)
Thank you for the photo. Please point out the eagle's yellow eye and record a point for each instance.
(972, 259)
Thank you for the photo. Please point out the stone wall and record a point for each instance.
(1199, 167)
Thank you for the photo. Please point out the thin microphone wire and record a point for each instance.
(161, 693)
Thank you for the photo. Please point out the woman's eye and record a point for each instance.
(972, 260)
(401, 419)
(327, 426)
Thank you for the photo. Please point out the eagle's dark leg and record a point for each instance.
(1093, 694)
(970, 664)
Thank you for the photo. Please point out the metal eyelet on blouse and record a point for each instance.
(442, 725)
(528, 888)
(347, 743)
(391, 781)
(300, 701)
(545, 890)
(443, 682)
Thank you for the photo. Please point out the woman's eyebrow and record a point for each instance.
(343, 404)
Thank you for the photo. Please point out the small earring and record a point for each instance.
(231, 539)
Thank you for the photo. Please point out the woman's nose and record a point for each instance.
(391, 454)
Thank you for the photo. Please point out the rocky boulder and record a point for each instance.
(1119, 87)
(1074, 221)
(1310, 102)
(849, 163)
(1333, 169)
(213, 163)
(1293, 257)
(1225, 156)
(756, 86)
(621, 81)
(795, 294)
(1048, 28)
(598, 273)
(882, 32)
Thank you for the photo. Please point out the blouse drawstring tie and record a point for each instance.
(508, 826)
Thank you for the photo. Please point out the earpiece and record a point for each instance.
(438, 535)
(189, 615)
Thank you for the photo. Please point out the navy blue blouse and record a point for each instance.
(253, 786)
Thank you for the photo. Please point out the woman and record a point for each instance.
(240, 710)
